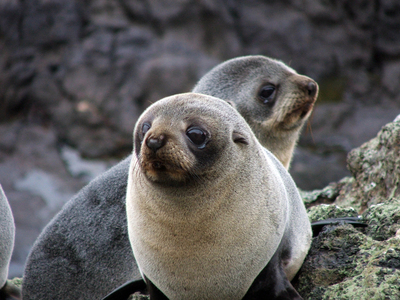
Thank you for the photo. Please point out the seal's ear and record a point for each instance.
(239, 138)
(231, 103)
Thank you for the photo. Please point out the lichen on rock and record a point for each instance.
(375, 167)
(325, 211)
(349, 263)
(138, 296)
(383, 220)
(358, 263)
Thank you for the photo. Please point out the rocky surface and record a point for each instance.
(75, 75)
(345, 262)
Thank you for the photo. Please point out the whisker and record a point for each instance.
(309, 127)
(194, 175)
(138, 174)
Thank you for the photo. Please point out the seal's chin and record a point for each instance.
(295, 117)
(306, 109)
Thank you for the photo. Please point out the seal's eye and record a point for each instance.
(145, 128)
(267, 94)
(197, 136)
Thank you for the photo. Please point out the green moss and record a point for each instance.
(138, 296)
(325, 211)
(375, 167)
(383, 219)
(16, 281)
(348, 263)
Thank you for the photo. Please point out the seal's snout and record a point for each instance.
(303, 95)
(308, 86)
(155, 143)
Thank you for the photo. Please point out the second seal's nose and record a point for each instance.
(312, 88)
(155, 143)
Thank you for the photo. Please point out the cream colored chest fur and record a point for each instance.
(214, 242)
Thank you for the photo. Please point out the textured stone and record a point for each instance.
(349, 263)
(363, 263)
(375, 167)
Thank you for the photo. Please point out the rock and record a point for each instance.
(388, 38)
(349, 263)
(115, 56)
(326, 195)
(383, 220)
(138, 296)
(358, 263)
(375, 167)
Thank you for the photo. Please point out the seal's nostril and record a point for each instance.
(155, 143)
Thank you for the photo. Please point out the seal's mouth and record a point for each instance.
(295, 117)
(157, 165)
(169, 172)
(305, 108)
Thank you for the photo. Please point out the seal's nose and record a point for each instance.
(311, 88)
(155, 143)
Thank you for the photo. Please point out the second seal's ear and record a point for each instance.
(239, 138)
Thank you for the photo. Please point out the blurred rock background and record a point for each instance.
(75, 75)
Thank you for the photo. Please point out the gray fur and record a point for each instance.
(84, 252)
(277, 128)
(221, 230)
(7, 235)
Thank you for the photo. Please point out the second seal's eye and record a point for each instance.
(197, 136)
(145, 128)
(267, 94)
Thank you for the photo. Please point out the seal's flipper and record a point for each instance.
(272, 284)
(127, 289)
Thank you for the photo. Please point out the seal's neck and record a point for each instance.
(281, 146)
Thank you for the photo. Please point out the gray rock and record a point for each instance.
(375, 169)
(358, 263)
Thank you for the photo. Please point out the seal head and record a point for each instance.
(174, 150)
(273, 98)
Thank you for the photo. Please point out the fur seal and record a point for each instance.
(7, 236)
(84, 252)
(208, 207)
(273, 98)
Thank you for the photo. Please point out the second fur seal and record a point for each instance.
(211, 213)
(84, 252)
